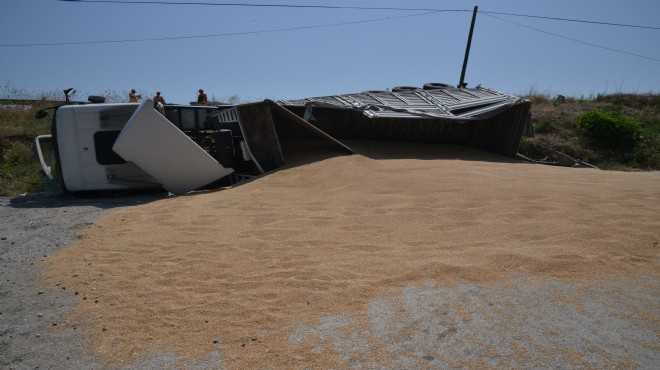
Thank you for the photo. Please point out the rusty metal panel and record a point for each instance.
(258, 130)
(286, 116)
(501, 134)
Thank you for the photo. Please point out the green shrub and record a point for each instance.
(544, 124)
(528, 147)
(647, 152)
(609, 129)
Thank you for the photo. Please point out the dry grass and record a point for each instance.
(554, 121)
(20, 171)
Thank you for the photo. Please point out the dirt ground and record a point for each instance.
(406, 257)
(33, 227)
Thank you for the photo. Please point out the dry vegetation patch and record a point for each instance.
(556, 127)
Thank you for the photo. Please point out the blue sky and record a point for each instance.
(332, 52)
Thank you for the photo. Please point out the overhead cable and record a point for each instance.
(215, 35)
(254, 5)
(157, 2)
(572, 20)
(575, 40)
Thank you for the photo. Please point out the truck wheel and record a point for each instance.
(96, 99)
(436, 85)
(404, 88)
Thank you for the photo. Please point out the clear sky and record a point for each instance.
(290, 53)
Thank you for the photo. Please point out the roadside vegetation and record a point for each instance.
(613, 132)
(20, 171)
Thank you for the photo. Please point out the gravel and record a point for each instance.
(32, 228)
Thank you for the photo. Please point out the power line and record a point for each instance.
(575, 40)
(429, 11)
(254, 5)
(339, 7)
(572, 20)
(217, 35)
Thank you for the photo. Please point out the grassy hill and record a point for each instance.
(620, 132)
(614, 132)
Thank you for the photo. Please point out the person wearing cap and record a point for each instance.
(201, 98)
(133, 97)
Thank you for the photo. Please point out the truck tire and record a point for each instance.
(96, 99)
(436, 85)
(404, 88)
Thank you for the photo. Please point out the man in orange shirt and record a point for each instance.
(159, 103)
(133, 97)
(159, 98)
(201, 98)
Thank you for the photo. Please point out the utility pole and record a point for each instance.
(462, 83)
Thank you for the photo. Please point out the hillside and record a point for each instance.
(628, 138)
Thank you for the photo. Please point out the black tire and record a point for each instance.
(404, 88)
(374, 92)
(436, 85)
(96, 99)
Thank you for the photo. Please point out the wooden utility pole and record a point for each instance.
(462, 83)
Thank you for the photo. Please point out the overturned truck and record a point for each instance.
(185, 147)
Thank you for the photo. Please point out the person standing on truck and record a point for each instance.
(133, 97)
(159, 98)
(159, 102)
(201, 98)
